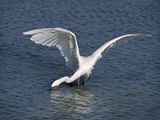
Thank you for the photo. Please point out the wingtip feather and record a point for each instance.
(24, 33)
(27, 33)
(31, 32)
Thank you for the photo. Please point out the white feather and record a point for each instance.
(63, 39)
(66, 42)
(114, 42)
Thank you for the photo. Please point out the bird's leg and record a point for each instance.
(79, 81)
(83, 78)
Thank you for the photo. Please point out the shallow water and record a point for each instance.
(125, 84)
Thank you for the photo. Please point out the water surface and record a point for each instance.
(125, 84)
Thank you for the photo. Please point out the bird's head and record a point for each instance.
(56, 83)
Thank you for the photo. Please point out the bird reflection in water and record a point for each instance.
(77, 100)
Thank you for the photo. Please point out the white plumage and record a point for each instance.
(66, 42)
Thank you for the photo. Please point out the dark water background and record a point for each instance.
(125, 84)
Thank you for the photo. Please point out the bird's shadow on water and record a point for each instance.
(72, 99)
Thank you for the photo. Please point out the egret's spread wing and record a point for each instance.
(114, 42)
(63, 39)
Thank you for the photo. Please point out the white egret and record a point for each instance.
(66, 42)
